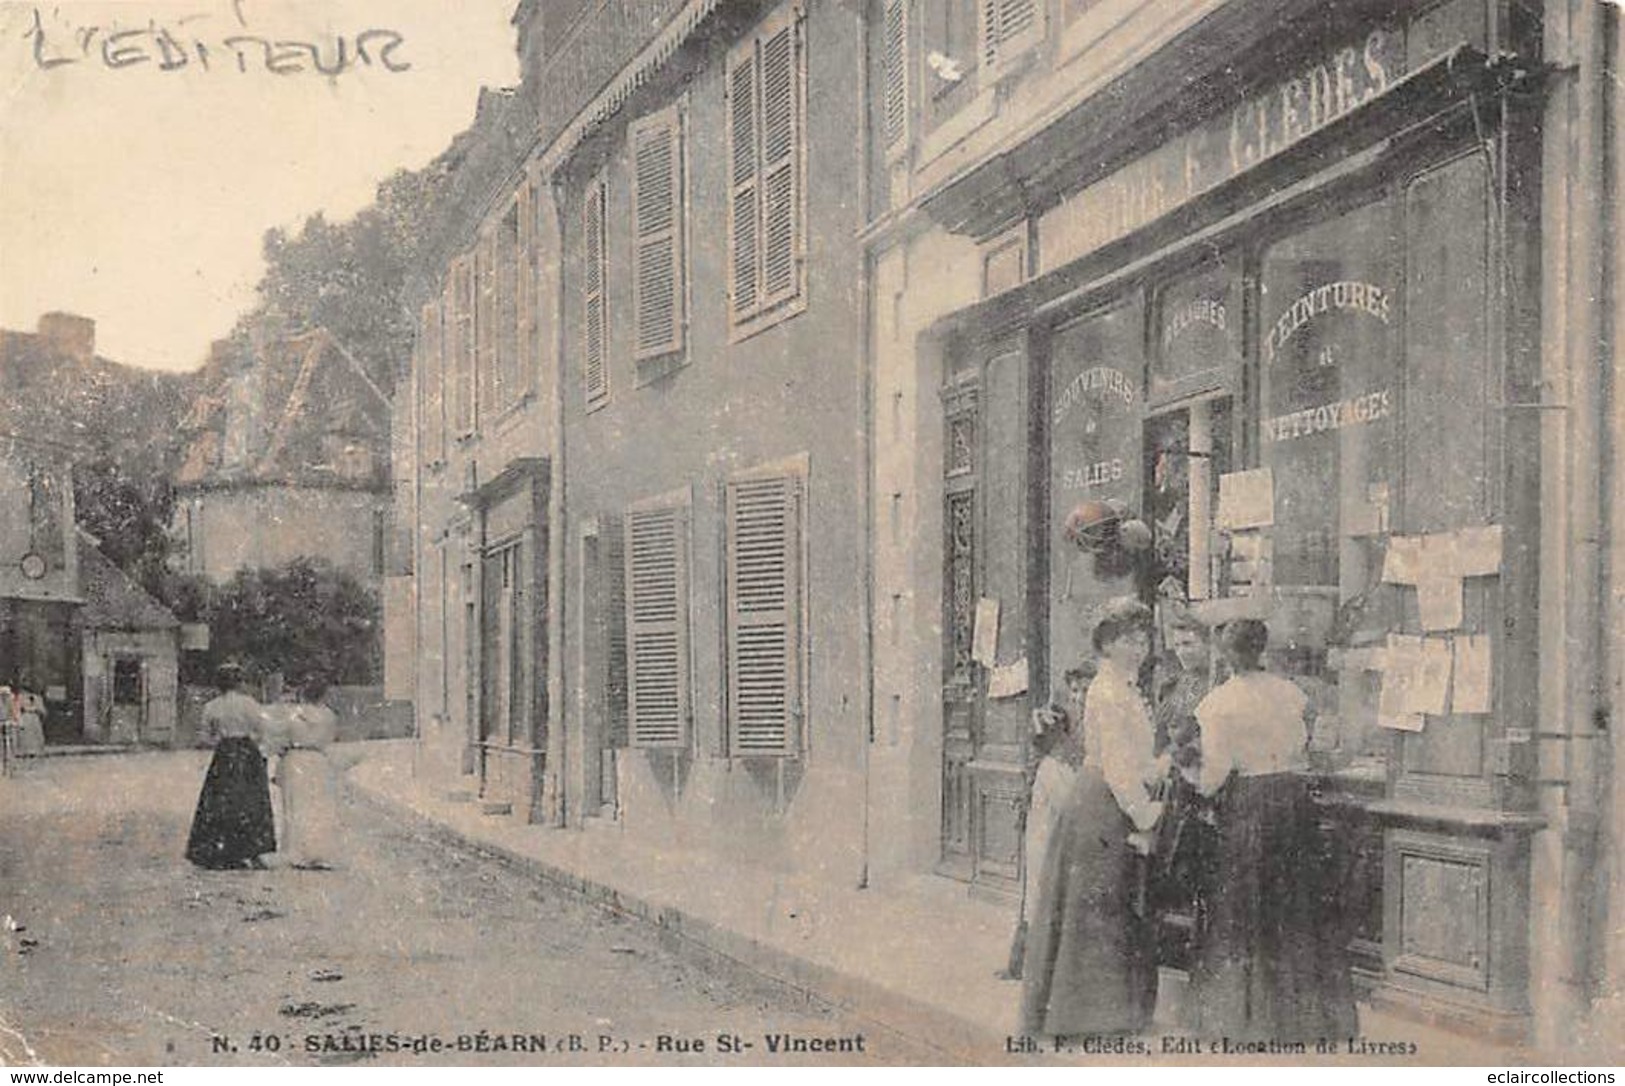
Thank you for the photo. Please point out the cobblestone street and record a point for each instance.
(119, 952)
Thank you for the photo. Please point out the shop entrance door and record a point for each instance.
(985, 699)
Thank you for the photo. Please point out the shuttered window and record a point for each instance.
(431, 379)
(894, 49)
(595, 373)
(1009, 28)
(656, 549)
(658, 214)
(763, 609)
(485, 327)
(612, 597)
(766, 84)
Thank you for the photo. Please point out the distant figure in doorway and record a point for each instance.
(1089, 964)
(1056, 756)
(308, 781)
(1270, 964)
(1184, 851)
(233, 824)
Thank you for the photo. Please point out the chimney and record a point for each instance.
(71, 334)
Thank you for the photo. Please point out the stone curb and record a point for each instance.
(954, 1039)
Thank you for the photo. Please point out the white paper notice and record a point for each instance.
(984, 645)
(1478, 551)
(1430, 683)
(1403, 563)
(1471, 692)
(1008, 681)
(1246, 500)
(1438, 598)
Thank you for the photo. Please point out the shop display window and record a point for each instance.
(1199, 326)
(1330, 398)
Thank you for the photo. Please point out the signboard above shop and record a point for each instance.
(1212, 153)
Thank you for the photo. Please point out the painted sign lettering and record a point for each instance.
(1207, 156)
(1103, 379)
(1194, 313)
(1355, 411)
(1367, 298)
(1099, 473)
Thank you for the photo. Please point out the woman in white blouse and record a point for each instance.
(1090, 969)
(1270, 964)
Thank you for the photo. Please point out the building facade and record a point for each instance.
(40, 597)
(1312, 305)
(711, 374)
(797, 383)
(287, 455)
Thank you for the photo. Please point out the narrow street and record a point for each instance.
(116, 951)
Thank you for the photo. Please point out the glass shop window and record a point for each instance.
(1329, 388)
(1330, 309)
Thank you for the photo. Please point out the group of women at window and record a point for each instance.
(1193, 800)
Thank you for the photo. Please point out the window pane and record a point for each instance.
(1446, 343)
(1329, 433)
(1095, 403)
(1329, 393)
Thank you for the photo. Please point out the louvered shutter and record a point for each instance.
(744, 273)
(764, 615)
(657, 208)
(894, 48)
(469, 368)
(595, 375)
(1009, 28)
(612, 593)
(781, 165)
(657, 627)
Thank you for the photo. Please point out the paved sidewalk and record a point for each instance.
(921, 959)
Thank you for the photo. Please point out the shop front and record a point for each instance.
(1268, 366)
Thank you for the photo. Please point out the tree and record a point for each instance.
(351, 277)
(128, 513)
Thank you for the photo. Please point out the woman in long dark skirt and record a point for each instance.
(1090, 968)
(233, 824)
(1271, 964)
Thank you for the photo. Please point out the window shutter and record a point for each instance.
(744, 274)
(764, 615)
(613, 594)
(1009, 28)
(657, 627)
(485, 327)
(894, 49)
(593, 274)
(657, 202)
(468, 371)
(781, 161)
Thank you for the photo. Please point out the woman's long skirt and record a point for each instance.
(1089, 968)
(1272, 963)
(233, 823)
(310, 817)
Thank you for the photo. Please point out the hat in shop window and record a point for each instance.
(1092, 525)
